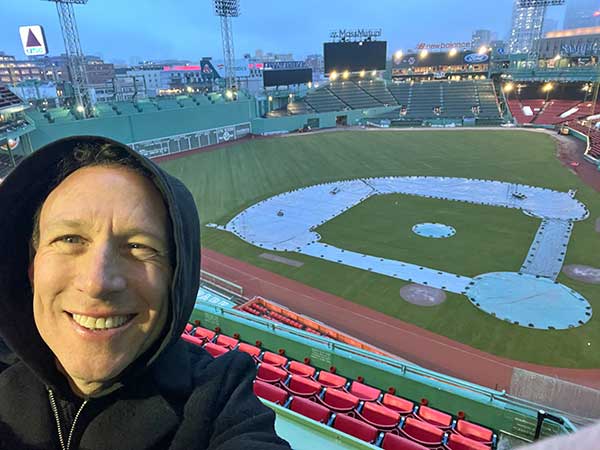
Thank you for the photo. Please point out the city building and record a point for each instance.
(480, 38)
(13, 71)
(582, 13)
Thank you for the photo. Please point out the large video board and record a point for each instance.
(273, 77)
(354, 56)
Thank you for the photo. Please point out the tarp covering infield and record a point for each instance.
(286, 222)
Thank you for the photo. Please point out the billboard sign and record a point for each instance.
(33, 40)
(443, 45)
(476, 58)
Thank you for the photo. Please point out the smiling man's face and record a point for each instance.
(101, 273)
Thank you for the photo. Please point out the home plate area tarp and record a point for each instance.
(286, 222)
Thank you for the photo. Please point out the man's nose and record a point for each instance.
(100, 273)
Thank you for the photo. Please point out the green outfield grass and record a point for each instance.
(228, 180)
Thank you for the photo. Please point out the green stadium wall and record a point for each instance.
(147, 125)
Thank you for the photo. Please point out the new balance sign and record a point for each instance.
(33, 39)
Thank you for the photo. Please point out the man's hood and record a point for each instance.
(21, 193)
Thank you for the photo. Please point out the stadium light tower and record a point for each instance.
(75, 57)
(226, 9)
(528, 25)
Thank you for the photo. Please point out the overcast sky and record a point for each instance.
(130, 30)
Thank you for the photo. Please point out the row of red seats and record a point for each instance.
(259, 310)
(411, 434)
(366, 404)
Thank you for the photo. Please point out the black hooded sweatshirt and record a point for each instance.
(174, 396)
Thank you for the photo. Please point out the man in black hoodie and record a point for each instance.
(99, 266)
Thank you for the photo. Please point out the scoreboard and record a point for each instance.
(286, 77)
(355, 56)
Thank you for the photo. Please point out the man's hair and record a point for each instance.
(87, 155)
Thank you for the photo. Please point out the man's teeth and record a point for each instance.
(102, 323)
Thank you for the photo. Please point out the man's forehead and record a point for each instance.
(93, 193)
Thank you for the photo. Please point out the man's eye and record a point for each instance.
(141, 250)
(70, 239)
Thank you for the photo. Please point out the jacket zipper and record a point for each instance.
(57, 417)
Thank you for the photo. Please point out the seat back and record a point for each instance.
(310, 409)
(423, 432)
(227, 341)
(398, 404)
(303, 370)
(215, 350)
(458, 442)
(355, 427)
(380, 416)
(331, 379)
(192, 339)
(475, 432)
(339, 401)
(435, 417)
(274, 359)
(269, 392)
(249, 349)
(270, 374)
(394, 442)
(304, 387)
(364, 392)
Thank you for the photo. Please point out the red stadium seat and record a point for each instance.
(339, 401)
(475, 432)
(422, 432)
(204, 333)
(226, 341)
(274, 359)
(188, 327)
(304, 370)
(355, 427)
(398, 404)
(379, 416)
(329, 379)
(192, 339)
(310, 409)
(434, 417)
(304, 387)
(215, 350)
(364, 392)
(250, 349)
(270, 392)
(458, 442)
(394, 442)
(271, 374)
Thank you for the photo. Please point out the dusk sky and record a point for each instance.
(130, 30)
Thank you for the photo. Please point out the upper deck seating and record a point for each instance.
(378, 90)
(351, 94)
(350, 406)
(322, 100)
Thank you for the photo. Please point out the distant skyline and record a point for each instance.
(127, 31)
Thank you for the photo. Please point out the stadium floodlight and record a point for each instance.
(399, 54)
(522, 4)
(270, 98)
(547, 87)
(333, 76)
(508, 87)
(346, 75)
(80, 108)
(453, 52)
(75, 56)
(482, 50)
(226, 9)
(374, 73)
(362, 73)
(228, 94)
(309, 84)
(423, 54)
